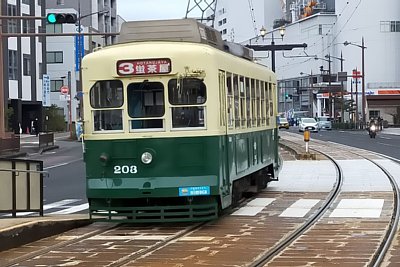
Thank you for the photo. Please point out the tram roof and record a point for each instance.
(179, 30)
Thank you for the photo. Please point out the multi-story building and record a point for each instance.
(325, 26)
(63, 53)
(22, 59)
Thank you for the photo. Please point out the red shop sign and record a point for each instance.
(144, 66)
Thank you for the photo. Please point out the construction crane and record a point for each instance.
(207, 9)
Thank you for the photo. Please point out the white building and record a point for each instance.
(325, 30)
(239, 20)
(63, 51)
(22, 58)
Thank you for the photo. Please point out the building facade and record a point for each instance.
(65, 53)
(23, 64)
(325, 26)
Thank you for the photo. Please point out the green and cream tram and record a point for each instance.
(177, 124)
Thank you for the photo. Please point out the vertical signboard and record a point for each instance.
(46, 91)
(79, 51)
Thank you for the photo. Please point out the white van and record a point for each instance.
(324, 123)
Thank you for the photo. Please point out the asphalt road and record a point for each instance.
(387, 144)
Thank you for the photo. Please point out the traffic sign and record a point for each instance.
(64, 90)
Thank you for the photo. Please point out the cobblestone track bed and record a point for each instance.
(234, 240)
(343, 241)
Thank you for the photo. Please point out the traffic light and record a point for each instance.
(286, 95)
(59, 18)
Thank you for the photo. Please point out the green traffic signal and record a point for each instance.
(51, 18)
(60, 18)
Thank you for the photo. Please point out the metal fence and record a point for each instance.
(21, 186)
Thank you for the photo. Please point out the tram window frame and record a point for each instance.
(103, 97)
(230, 100)
(187, 97)
(263, 105)
(110, 120)
(242, 104)
(267, 105)
(146, 105)
(236, 100)
(258, 108)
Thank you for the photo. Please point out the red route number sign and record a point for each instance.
(144, 66)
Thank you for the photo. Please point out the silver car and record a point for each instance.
(308, 124)
(324, 123)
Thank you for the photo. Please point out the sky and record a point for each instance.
(151, 9)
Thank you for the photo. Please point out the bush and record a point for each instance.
(54, 120)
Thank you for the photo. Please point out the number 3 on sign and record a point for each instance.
(125, 169)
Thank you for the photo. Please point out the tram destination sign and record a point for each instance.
(144, 66)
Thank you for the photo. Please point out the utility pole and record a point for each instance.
(2, 102)
(69, 104)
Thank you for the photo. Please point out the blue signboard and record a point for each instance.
(46, 90)
(194, 191)
(79, 51)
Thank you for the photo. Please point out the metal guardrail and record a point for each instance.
(21, 186)
(46, 139)
(10, 143)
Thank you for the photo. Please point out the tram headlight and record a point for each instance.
(147, 157)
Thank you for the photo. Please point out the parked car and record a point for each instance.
(283, 123)
(324, 123)
(308, 124)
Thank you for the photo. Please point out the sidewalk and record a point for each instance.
(29, 144)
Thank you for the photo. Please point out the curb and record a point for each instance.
(48, 148)
(30, 232)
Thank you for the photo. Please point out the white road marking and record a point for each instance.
(358, 208)
(53, 205)
(300, 208)
(73, 209)
(254, 207)
(62, 164)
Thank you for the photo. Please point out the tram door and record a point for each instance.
(222, 120)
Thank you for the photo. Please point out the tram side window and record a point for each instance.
(190, 95)
(263, 112)
(230, 99)
(107, 120)
(236, 100)
(146, 104)
(107, 94)
(267, 105)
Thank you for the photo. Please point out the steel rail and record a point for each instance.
(279, 247)
(40, 252)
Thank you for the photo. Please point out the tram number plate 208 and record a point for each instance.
(124, 169)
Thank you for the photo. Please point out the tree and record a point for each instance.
(54, 119)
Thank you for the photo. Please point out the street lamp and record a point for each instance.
(263, 32)
(363, 100)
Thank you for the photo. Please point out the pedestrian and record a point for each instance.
(35, 126)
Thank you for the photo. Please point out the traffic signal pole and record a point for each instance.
(6, 35)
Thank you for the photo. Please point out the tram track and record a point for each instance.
(280, 246)
(380, 254)
(243, 239)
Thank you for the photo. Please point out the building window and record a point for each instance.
(25, 24)
(55, 85)
(54, 28)
(54, 57)
(390, 26)
(40, 70)
(12, 23)
(27, 64)
(28, 2)
(12, 65)
(320, 29)
(60, 2)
